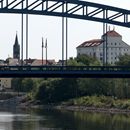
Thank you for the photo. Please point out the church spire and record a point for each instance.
(16, 48)
(16, 40)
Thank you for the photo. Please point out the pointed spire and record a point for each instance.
(16, 48)
(16, 39)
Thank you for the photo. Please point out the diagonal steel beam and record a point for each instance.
(57, 7)
(10, 3)
(76, 10)
(17, 4)
(72, 8)
(36, 6)
(117, 16)
(112, 16)
(52, 6)
(94, 11)
(32, 4)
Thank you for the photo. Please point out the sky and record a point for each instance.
(50, 27)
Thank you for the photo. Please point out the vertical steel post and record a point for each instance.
(106, 42)
(26, 34)
(6, 2)
(103, 39)
(106, 47)
(66, 40)
(62, 36)
(22, 37)
(66, 35)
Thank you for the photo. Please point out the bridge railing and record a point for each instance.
(65, 68)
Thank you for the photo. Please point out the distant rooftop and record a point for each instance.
(38, 62)
(97, 42)
(112, 33)
(91, 43)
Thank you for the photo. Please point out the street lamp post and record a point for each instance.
(42, 50)
(46, 51)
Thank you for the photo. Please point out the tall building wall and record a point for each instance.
(115, 47)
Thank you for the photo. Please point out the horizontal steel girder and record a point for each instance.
(66, 71)
(68, 8)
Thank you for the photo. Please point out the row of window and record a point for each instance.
(113, 43)
(112, 48)
(112, 58)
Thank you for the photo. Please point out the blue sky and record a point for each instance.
(50, 28)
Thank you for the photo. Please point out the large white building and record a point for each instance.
(115, 47)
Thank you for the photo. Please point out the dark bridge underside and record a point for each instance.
(65, 71)
(68, 8)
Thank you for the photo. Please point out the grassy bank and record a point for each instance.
(99, 102)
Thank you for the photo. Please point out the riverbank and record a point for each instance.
(77, 108)
(86, 103)
(93, 109)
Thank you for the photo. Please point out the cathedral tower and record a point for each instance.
(16, 49)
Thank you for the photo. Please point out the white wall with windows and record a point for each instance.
(115, 47)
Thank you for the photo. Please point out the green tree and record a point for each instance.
(87, 60)
(124, 60)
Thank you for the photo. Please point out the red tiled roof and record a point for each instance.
(38, 62)
(112, 33)
(91, 43)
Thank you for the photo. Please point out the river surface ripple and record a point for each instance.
(61, 120)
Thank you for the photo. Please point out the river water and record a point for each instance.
(62, 120)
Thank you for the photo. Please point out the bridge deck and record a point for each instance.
(66, 71)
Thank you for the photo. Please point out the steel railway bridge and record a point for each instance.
(65, 9)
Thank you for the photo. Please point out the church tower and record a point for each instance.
(16, 49)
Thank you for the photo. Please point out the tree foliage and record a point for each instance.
(57, 90)
(124, 60)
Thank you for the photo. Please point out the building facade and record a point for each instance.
(107, 49)
(5, 83)
(16, 49)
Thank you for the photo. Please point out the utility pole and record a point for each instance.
(42, 50)
(46, 50)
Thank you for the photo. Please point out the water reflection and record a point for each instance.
(62, 120)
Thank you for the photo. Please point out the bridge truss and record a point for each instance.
(68, 8)
(65, 9)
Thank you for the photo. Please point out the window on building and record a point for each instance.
(115, 43)
(101, 58)
(101, 54)
(111, 44)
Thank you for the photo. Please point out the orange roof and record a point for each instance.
(38, 62)
(91, 43)
(112, 33)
